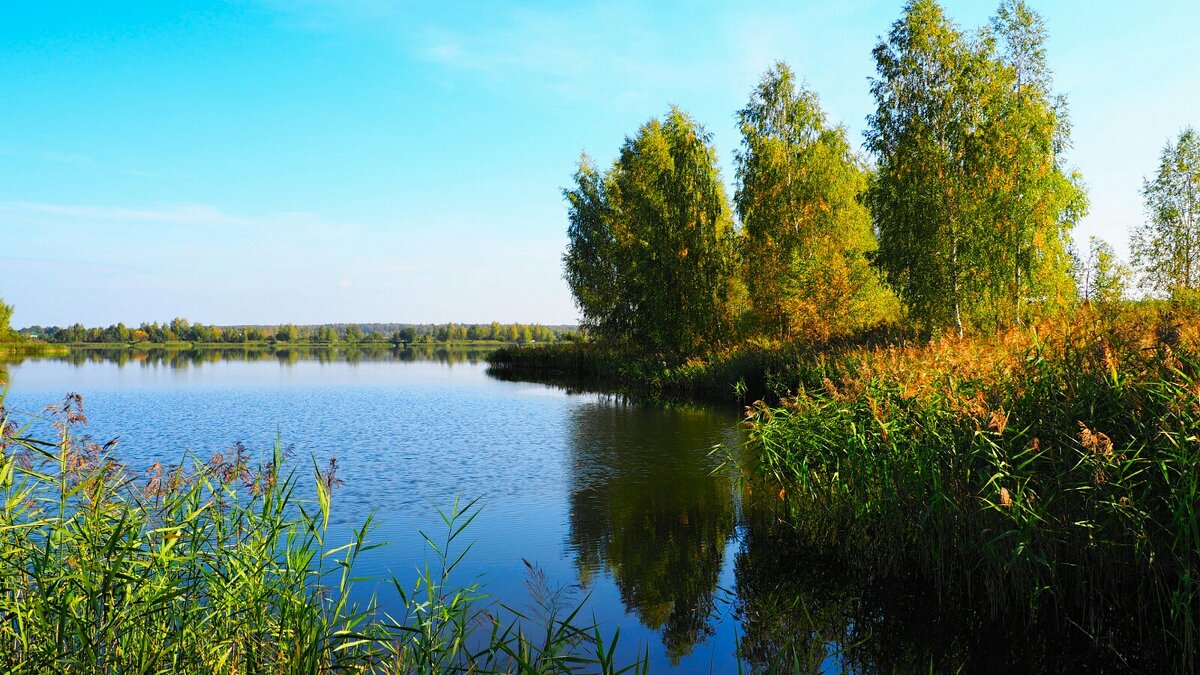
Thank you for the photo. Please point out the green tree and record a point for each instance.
(1166, 247)
(650, 254)
(6, 312)
(590, 264)
(1029, 198)
(180, 329)
(354, 333)
(807, 233)
(972, 205)
(1104, 277)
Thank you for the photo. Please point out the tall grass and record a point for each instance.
(229, 566)
(1052, 473)
(31, 348)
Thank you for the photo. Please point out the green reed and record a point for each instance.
(1052, 473)
(228, 566)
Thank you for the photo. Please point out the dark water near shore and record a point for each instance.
(619, 503)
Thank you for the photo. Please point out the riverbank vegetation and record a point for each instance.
(1049, 471)
(229, 565)
(950, 388)
(960, 217)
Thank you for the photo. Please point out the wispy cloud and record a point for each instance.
(607, 53)
(185, 215)
(603, 52)
(48, 156)
(618, 54)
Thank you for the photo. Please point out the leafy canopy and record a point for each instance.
(807, 234)
(1166, 247)
(650, 251)
(971, 202)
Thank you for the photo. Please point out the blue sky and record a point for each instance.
(320, 161)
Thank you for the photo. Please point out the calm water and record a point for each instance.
(617, 499)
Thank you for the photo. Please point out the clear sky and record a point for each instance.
(327, 161)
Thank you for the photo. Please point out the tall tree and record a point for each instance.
(1033, 201)
(590, 261)
(917, 137)
(807, 233)
(6, 312)
(650, 244)
(970, 200)
(1166, 247)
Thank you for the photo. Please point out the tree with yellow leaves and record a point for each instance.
(807, 234)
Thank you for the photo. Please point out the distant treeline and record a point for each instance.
(183, 330)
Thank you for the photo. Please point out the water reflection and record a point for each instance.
(648, 511)
(803, 608)
(188, 358)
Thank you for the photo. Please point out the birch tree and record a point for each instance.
(807, 234)
(1166, 247)
(650, 251)
(971, 200)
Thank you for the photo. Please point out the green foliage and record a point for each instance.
(650, 257)
(222, 566)
(287, 333)
(807, 234)
(1105, 279)
(736, 374)
(971, 203)
(6, 312)
(1166, 248)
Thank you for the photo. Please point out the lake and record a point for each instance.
(619, 503)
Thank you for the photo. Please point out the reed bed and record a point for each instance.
(229, 566)
(1048, 474)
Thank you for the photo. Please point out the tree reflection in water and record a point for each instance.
(283, 354)
(647, 509)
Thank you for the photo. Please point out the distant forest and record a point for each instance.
(183, 330)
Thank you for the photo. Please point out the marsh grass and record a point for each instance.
(16, 350)
(1051, 473)
(228, 565)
